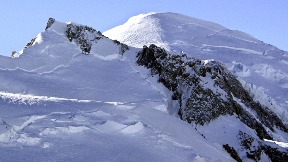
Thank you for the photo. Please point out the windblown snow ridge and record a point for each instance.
(31, 99)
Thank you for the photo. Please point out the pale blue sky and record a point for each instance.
(22, 20)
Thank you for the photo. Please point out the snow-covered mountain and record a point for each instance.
(73, 94)
(262, 68)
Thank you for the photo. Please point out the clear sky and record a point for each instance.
(22, 20)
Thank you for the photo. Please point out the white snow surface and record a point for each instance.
(262, 68)
(57, 104)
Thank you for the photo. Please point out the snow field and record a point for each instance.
(138, 129)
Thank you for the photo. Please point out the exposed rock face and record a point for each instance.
(123, 47)
(206, 90)
(30, 43)
(85, 36)
(49, 23)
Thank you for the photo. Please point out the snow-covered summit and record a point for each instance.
(172, 30)
(156, 28)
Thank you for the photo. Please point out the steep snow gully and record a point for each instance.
(73, 94)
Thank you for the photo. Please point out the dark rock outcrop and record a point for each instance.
(206, 90)
(49, 23)
(85, 36)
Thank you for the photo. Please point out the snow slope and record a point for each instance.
(58, 104)
(66, 130)
(262, 68)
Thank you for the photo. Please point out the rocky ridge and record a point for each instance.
(206, 90)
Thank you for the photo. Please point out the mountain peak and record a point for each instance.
(157, 28)
(61, 42)
(173, 31)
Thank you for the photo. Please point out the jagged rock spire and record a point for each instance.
(49, 23)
